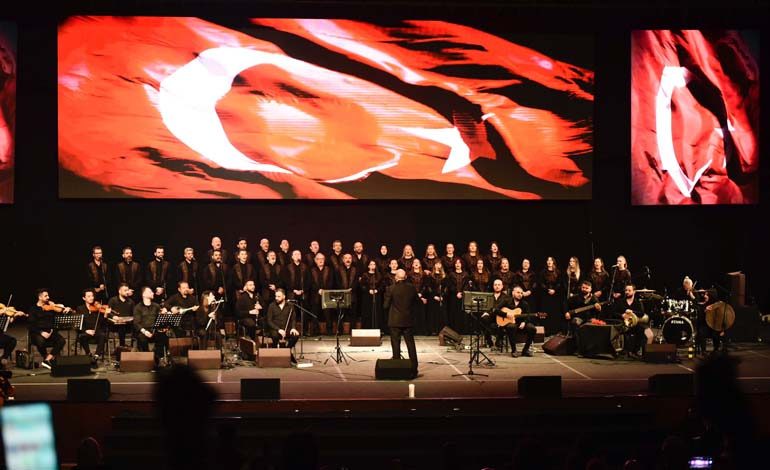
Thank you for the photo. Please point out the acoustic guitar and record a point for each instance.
(512, 315)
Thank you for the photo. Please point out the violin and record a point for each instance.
(98, 307)
(11, 312)
(52, 307)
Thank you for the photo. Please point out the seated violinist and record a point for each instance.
(41, 327)
(94, 324)
(8, 342)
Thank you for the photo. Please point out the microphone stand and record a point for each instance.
(302, 312)
(612, 285)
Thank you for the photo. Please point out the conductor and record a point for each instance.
(399, 301)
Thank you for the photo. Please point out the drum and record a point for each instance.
(677, 330)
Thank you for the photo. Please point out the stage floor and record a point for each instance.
(327, 380)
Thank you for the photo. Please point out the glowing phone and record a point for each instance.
(28, 437)
(701, 462)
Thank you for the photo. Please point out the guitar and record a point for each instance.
(579, 310)
(513, 314)
(180, 311)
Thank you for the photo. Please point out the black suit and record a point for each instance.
(400, 301)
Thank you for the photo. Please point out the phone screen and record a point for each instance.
(28, 437)
(701, 462)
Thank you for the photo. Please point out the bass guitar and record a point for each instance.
(579, 310)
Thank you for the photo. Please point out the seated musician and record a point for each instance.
(183, 302)
(207, 319)
(94, 324)
(41, 327)
(7, 342)
(687, 291)
(584, 299)
(247, 308)
(281, 321)
(121, 306)
(512, 302)
(637, 336)
(145, 314)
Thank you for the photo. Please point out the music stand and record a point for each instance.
(69, 322)
(339, 299)
(474, 304)
(166, 321)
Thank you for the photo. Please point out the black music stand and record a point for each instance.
(165, 321)
(339, 299)
(69, 322)
(474, 304)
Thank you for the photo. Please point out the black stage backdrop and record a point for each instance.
(47, 241)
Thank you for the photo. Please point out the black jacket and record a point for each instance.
(399, 301)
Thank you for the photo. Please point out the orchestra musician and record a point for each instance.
(400, 301)
(458, 281)
(430, 259)
(493, 258)
(284, 253)
(208, 320)
(511, 302)
(687, 291)
(448, 260)
(371, 285)
(183, 300)
(98, 274)
(269, 277)
(505, 274)
(157, 274)
(261, 255)
(701, 300)
(471, 256)
(41, 327)
(241, 272)
(216, 244)
(622, 277)
(281, 322)
(145, 314)
(129, 272)
(8, 342)
(122, 305)
(187, 270)
(94, 324)
(573, 277)
(321, 279)
(247, 307)
(600, 280)
(214, 275)
(527, 279)
(360, 259)
(583, 299)
(551, 295)
(347, 277)
(640, 334)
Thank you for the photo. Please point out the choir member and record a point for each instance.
(216, 244)
(600, 280)
(94, 328)
(360, 259)
(145, 314)
(41, 330)
(284, 253)
(635, 337)
(407, 256)
(430, 258)
(480, 278)
(215, 274)
(260, 259)
(295, 277)
(314, 248)
(527, 279)
(335, 258)
(183, 299)
(371, 285)
(583, 299)
(346, 277)
(241, 272)
(448, 260)
(383, 260)
(389, 279)
(241, 244)
(471, 256)
(621, 277)
(573, 277)
(157, 274)
(247, 308)
(187, 270)
(435, 293)
(418, 279)
(269, 278)
(321, 278)
(458, 282)
(505, 274)
(551, 296)
(282, 322)
(493, 258)
(122, 305)
(98, 274)
(129, 272)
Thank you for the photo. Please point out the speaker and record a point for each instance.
(71, 366)
(369, 337)
(24, 359)
(260, 389)
(737, 289)
(179, 346)
(595, 340)
(88, 390)
(521, 336)
(137, 361)
(671, 384)
(747, 325)
(448, 335)
(540, 386)
(560, 345)
(204, 359)
(248, 348)
(274, 357)
(394, 369)
(660, 353)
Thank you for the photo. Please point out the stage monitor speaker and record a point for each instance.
(540, 386)
(260, 389)
(448, 335)
(394, 369)
(737, 289)
(137, 361)
(274, 357)
(521, 336)
(671, 384)
(88, 390)
(560, 345)
(71, 366)
(179, 347)
(747, 325)
(366, 337)
(204, 359)
(248, 348)
(596, 340)
(660, 353)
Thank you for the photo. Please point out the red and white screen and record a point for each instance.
(156, 107)
(694, 117)
(7, 109)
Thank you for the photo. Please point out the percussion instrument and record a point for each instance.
(678, 330)
(720, 316)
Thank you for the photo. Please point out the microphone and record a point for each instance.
(217, 302)
(291, 301)
(614, 266)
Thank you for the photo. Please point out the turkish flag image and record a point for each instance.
(695, 117)
(158, 107)
(7, 109)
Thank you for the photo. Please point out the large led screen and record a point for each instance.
(694, 117)
(319, 108)
(7, 109)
